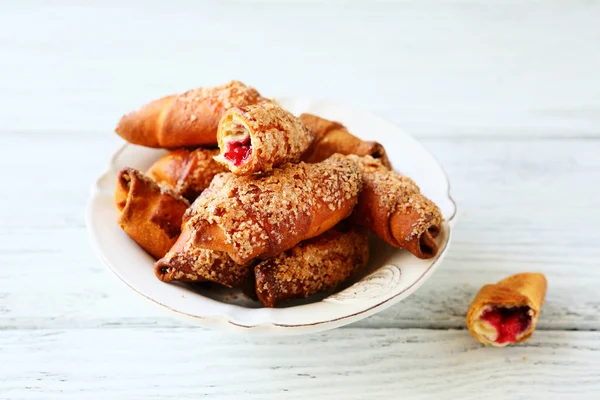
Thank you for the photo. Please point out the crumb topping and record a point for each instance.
(257, 214)
(277, 136)
(314, 265)
(201, 171)
(194, 264)
(224, 97)
(398, 193)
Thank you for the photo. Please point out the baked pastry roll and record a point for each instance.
(185, 120)
(315, 265)
(332, 137)
(261, 216)
(186, 262)
(258, 137)
(187, 172)
(392, 207)
(150, 214)
(507, 312)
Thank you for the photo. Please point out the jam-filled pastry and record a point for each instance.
(185, 120)
(263, 215)
(187, 172)
(315, 265)
(150, 214)
(258, 137)
(392, 207)
(507, 312)
(332, 137)
(186, 262)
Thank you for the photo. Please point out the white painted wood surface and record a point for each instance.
(347, 363)
(505, 93)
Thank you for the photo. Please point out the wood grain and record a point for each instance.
(524, 205)
(504, 92)
(157, 363)
(503, 67)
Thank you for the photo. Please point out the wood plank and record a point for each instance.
(504, 92)
(524, 205)
(159, 363)
(467, 68)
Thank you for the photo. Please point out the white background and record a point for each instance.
(505, 93)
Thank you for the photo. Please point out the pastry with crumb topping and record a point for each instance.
(507, 312)
(392, 206)
(332, 137)
(185, 120)
(187, 172)
(149, 213)
(259, 137)
(186, 262)
(315, 265)
(261, 216)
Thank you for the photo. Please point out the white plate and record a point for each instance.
(391, 276)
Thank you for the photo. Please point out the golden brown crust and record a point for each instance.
(187, 172)
(333, 137)
(392, 207)
(261, 216)
(317, 264)
(524, 289)
(186, 262)
(144, 125)
(150, 214)
(185, 120)
(320, 126)
(275, 135)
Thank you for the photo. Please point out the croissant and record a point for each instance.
(187, 172)
(261, 216)
(150, 214)
(508, 311)
(258, 137)
(332, 137)
(186, 262)
(392, 207)
(185, 120)
(317, 264)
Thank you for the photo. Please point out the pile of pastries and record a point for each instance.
(254, 197)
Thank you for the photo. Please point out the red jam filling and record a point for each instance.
(237, 152)
(508, 321)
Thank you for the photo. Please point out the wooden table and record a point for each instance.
(505, 93)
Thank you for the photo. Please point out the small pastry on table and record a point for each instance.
(507, 312)
(150, 214)
(185, 120)
(392, 206)
(332, 137)
(259, 137)
(315, 265)
(187, 172)
(261, 216)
